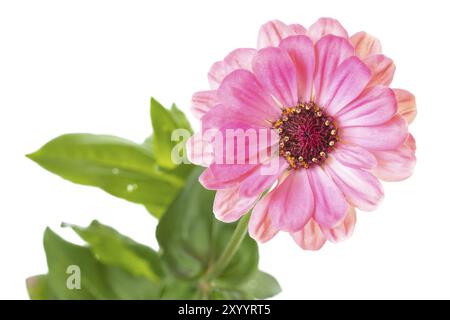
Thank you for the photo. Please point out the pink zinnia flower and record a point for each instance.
(341, 129)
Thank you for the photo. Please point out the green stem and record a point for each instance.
(230, 250)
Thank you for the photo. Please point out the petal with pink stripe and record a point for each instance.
(310, 237)
(229, 206)
(260, 226)
(301, 51)
(361, 188)
(387, 136)
(276, 72)
(292, 202)
(346, 84)
(330, 51)
(344, 229)
(330, 204)
(374, 106)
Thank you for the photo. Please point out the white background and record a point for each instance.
(91, 66)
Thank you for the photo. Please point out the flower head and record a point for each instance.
(338, 129)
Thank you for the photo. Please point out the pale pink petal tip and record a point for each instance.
(272, 32)
(310, 237)
(199, 151)
(237, 59)
(325, 26)
(382, 68)
(202, 102)
(365, 45)
(406, 103)
(344, 229)
(398, 164)
(260, 226)
(229, 206)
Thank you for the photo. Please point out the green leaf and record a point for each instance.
(118, 166)
(164, 123)
(98, 280)
(180, 118)
(178, 289)
(61, 255)
(129, 287)
(261, 286)
(112, 248)
(191, 239)
(38, 288)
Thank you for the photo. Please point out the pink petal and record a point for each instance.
(406, 103)
(365, 44)
(301, 51)
(375, 106)
(310, 237)
(344, 229)
(237, 59)
(229, 206)
(345, 85)
(292, 203)
(225, 176)
(387, 136)
(272, 32)
(260, 226)
(330, 204)
(354, 156)
(236, 157)
(297, 29)
(221, 116)
(382, 69)
(276, 72)
(361, 188)
(199, 150)
(331, 51)
(238, 143)
(232, 172)
(241, 92)
(325, 26)
(396, 165)
(202, 102)
(257, 182)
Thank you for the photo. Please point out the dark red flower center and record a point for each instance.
(307, 135)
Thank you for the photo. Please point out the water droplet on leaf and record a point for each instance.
(132, 187)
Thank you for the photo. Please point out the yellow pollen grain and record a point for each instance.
(278, 123)
(291, 162)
